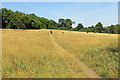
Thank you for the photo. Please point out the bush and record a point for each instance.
(8, 27)
(82, 30)
(63, 28)
(73, 29)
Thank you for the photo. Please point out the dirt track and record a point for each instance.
(86, 70)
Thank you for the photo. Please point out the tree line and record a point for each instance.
(98, 28)
(18, 20)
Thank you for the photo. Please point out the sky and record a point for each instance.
(87, 13)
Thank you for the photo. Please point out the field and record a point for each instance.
(62, 54)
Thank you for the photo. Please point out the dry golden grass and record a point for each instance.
(30, 54)
(33, 54)
(86, 45)
(76, 41)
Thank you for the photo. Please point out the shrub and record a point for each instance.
(73, 29)
(63, 28)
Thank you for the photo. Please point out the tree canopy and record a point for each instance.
(79, 26)
(65, 23)
(18, 20)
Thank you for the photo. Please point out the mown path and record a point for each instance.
(88, 71)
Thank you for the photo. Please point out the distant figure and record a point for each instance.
(51, 32)
(62, 32)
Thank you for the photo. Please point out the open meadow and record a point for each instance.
(60, 54)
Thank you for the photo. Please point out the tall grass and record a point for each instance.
(98, 51)
(30, 54)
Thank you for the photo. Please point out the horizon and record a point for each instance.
(87, 13)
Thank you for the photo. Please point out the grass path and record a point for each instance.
(88, 71)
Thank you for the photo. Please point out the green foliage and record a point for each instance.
(103, 60)
(69, 23)
(62, 28)
(65, 23)
(79, 26)
(73, 29)
(18, 20)
(98, 28)
(82, 30)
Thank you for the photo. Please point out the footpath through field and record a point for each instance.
(88, 71)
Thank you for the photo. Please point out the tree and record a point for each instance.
(112, 29)
(79, 26)
(52, 24)
(68, 23)
(99, 27)
(65, 23)
(61, 22)
(19, 20)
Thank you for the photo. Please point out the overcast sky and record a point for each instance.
(87, 13)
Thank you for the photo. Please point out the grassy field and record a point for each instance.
(38, 54)
(98, 51)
